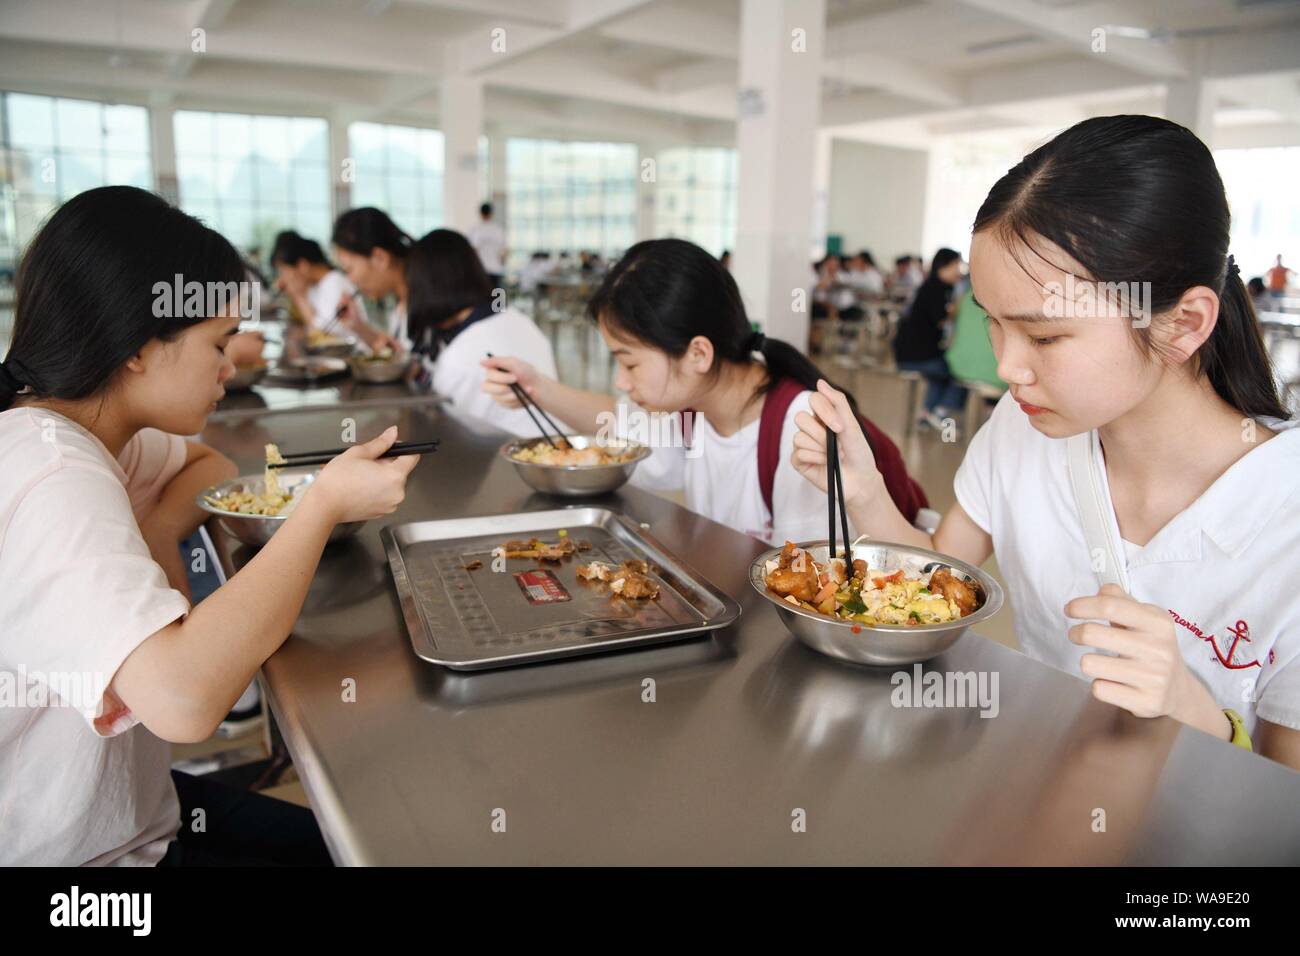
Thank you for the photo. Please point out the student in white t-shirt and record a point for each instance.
(457, 318)
(489, 241)
(673, 318)
(316, 288)
(1117, 314)
(110, 660)
(371, 250)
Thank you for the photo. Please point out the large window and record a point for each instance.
(569, 196)
(695, 196)
(1264, 198)
(251, 176)
(399, 170)
(53, 148)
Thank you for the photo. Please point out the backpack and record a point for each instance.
(902, 488)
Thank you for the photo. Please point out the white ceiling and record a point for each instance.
(900, 71)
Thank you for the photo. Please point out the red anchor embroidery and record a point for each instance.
(1240, 632)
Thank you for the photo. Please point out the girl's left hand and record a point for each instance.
(1149, 678)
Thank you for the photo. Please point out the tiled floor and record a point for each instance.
(881, 395)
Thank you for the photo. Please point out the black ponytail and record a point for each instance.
(85, 299)
(1137, 200)
(664, 292)
(366, 229)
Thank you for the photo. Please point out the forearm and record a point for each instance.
(1202, 711)
(184, 679)
(176, 516)
(580, 409)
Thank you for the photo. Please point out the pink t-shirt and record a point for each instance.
(81, 781)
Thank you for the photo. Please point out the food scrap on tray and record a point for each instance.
(629, 579)
(542, 550)
(866, 597)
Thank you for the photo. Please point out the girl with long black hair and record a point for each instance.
(1142, 444)
(372, 250)
(105, 372)
(674, 321)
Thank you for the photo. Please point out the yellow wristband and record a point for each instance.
(1239, 736)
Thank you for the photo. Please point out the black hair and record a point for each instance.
(291, 248)
(485, 209)
(664, 292)
(85, 297)
(366, 229)
(903, 261)
(943, 258)
(1139, 199)
(1256, 286)
(443, 276)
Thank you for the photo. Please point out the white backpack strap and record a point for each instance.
(1090, 500)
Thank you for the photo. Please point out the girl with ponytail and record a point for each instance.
(372, 252)
(1142, 445)
(715, 398)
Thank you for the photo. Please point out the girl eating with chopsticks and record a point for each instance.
(97, 489)
(455, 319)
(715, 399)
(371, 250)
(1142, 444)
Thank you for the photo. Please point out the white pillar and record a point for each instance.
(781, 44)
(647, 179)
(1190, 101)
(162, 147)
(462, 123)
(342, 166)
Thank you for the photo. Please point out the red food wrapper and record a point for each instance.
(541, 587)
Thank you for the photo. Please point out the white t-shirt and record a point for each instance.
(489, 241)
(1219, 567)
(720, 474)
(458, 376)
(397, 326)
(325, 297)
(80, 782)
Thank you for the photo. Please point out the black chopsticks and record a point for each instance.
(324, 457)
(338, 313)
(834, 492)
(529, 405)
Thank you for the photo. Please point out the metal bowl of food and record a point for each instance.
(588, 466)
(249, 491)
(880, 644)
(381, 368)
(245, 377)
(331, 346)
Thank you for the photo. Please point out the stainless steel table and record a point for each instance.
(343, 392)
(748, 733)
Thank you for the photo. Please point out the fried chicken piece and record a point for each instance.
(791, 580)
(634, 586)
(595, 571)
(954, 590)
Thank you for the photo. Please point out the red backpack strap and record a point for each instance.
(902, 488)
(775, 405)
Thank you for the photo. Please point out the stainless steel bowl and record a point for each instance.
(575, 481)
(881, 645)
(257, 529)
(341, 349)
(367, 368)
(245, 377)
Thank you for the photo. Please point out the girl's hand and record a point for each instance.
(504, 370)
(862, 479)
(358, 485)
(1149, 678)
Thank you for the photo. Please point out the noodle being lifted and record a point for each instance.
(867, 598)
(273, 500)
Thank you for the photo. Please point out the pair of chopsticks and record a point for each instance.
(529, 405)
(324, 457)
(338, 313)
(834, 492)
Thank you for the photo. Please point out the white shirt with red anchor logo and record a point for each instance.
(1225, 568)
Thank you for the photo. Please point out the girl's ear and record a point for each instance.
(1192, 322)
(699, 355)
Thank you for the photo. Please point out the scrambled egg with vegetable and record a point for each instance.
(541, 453)
(866, 598)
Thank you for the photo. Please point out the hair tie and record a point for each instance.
(9, 376)
(756, 341)
(1233, 268)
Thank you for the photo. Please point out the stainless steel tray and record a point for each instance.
(471, 620)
